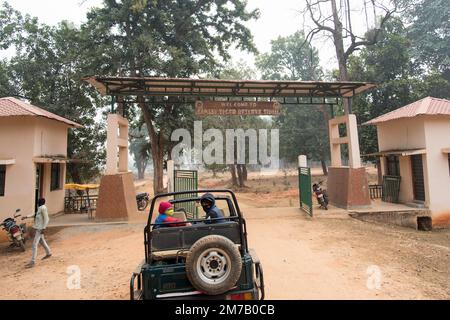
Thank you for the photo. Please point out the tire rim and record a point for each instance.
(213, 266)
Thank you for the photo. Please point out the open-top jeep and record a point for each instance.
(204, 260)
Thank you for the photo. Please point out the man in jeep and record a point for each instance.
(208, 203)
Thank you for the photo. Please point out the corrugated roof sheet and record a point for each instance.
(11, 107)
(426, 106)
(151, 86)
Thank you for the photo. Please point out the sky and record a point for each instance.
(278, 18)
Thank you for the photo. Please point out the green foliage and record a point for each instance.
(165, 39)
(47, 70)
(400, 78)
(236, 71)
(430, 32)
(290, 59)
(6, 87)
(303, 129)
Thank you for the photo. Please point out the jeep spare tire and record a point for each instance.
(213, 265)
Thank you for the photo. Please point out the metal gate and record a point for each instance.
(304, 186)
(417, 177)
(391, 189)
(186, 180)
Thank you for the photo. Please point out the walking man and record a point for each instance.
(40, 223)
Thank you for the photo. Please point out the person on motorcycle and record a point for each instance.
(166, 212)
(208, 203)
(41, 220)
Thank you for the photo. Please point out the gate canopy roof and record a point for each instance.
(149, 86)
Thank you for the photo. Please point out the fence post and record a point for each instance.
(302, 161)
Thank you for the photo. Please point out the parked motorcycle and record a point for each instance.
(321, 195)
(142, 200)
(16, 233)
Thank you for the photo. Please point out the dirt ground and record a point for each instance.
(330, 256)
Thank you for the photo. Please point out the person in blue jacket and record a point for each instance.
(208, 203)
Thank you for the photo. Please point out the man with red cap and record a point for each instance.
(165, 217)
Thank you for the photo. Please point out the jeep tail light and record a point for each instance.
(240, 296)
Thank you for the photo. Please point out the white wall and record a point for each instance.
(22, 138)
(16, 142)
(423, 132)
(401, 134)
(437, 130)
(50, 137)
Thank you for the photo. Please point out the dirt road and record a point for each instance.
(328, 257)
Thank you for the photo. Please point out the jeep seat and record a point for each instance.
(182, 238)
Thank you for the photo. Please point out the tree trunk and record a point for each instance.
(234, 180)
(245, 172)
(157, 149)
(158, 171)
(324, 167)
(240, 174)
(340, 51)
(74, 173)
(141, 165)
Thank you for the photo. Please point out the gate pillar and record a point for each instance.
(348, 186)
(117, 194)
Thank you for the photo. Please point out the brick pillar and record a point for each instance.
(117, 194)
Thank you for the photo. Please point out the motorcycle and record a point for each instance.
(142, 200)
(321, 195)
(16, 233)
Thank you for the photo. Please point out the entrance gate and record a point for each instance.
(250, 97)
(186, 180)
(304, 186)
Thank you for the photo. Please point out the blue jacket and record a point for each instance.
(164, 218)
(213, 212)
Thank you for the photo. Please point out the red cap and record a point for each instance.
(163, 206)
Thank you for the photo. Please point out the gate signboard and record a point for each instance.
(237, 108)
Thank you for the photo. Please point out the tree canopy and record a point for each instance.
(47, 69)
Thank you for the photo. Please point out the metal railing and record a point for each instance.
(80, 204)
(376, 191)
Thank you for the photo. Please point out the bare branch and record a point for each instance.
(317, 22)
(368, 42)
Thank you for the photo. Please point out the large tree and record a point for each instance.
(335, 19)
(238, 171)
(429, 32)
(303, 129)
(46, 69)
(168, 39)
(400, 79)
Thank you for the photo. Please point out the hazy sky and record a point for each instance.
(278, 18)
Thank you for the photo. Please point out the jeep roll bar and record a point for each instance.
(166, 195)
(190, 193)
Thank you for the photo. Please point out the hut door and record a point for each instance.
(417, 177)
